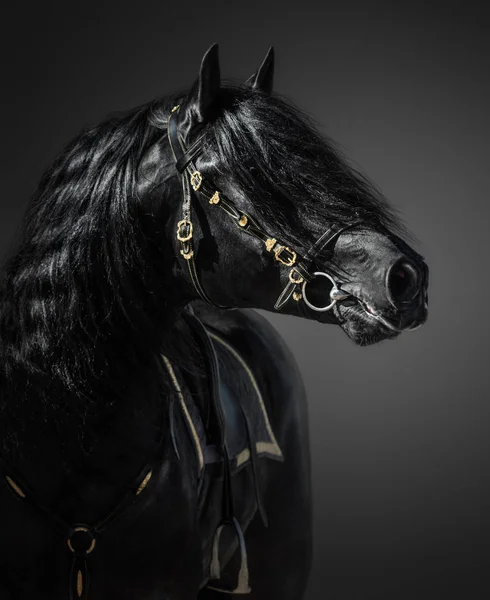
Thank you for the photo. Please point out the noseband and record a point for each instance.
(299, 273)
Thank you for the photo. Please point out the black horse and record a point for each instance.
(155, 442)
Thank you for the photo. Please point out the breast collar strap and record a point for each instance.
(299, 266)
(80, 539)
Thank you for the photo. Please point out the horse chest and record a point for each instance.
(158, 536)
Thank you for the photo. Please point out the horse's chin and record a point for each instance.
(362, 328)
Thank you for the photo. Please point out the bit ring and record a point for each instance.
(335, 293)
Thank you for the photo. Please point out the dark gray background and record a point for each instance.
(400, 430)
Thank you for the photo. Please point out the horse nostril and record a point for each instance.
(404, 282)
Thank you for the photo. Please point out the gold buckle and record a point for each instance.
(184, 237)
(293, 279)
(196, 180)
(289, 261)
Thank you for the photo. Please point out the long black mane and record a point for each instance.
(73, 288)
(76, 318)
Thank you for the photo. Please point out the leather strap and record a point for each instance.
(242, 585)
(228, 518)
(81, 539)
(189, 155)
(209, 353)
(301, 272)
(185, 166)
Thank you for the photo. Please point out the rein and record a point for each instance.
(299, 266)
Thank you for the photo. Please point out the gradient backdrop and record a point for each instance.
(399, 431)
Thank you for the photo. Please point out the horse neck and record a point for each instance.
(110, 373)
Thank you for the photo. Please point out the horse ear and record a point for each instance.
(206, 88)
(263, 79)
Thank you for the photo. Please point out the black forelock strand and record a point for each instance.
(73, 286)
(293, 166)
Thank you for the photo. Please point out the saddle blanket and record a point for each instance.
(243, 406)
(246, 423)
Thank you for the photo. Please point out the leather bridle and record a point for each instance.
(299, 274)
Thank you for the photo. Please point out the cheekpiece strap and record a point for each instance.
(190, 177)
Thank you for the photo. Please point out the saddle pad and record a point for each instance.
(242, 404)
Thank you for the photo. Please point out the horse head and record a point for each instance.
(299, 229)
